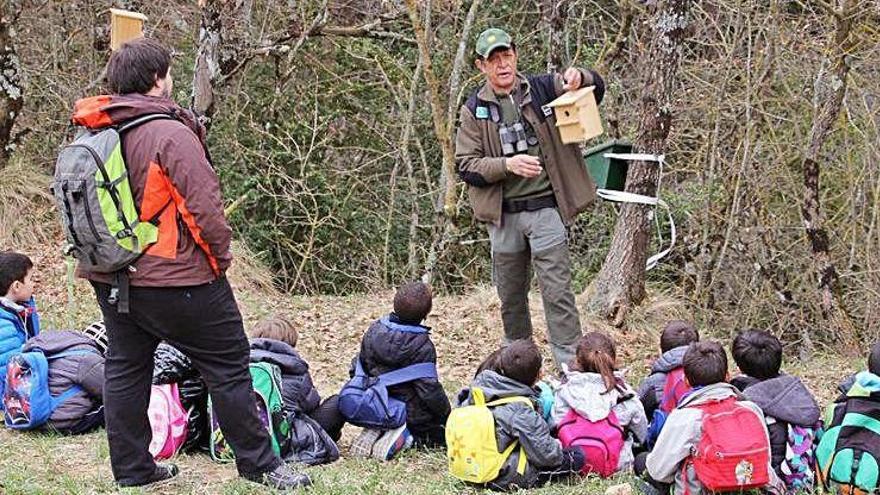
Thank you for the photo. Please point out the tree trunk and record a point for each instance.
(553, 15)
(207, 67)
(442, 127)
(829, 91)
(620, 284)
(11, 90)
(223, 49)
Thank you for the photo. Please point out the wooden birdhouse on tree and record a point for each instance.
(577, 116)
(125, 26)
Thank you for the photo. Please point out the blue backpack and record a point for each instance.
(364, 400)
(26, 398)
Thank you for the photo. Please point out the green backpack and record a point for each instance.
(267, 386)
(848, 455)
(94, 198)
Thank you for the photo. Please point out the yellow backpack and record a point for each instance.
(471, 446)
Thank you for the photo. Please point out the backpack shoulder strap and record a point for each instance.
(358, 367)
(474, 101)
(64, 396)
(69, 354)
(510, 400)
(403, 327)
(673, 378)
(543, 91)
(143, 119)
(408, 374)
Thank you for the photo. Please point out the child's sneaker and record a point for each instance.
(391, 442)
(363, 444)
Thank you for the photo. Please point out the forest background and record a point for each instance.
(330, 123)
(332, 161)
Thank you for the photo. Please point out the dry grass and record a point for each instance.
(465, 329)
(25, 205)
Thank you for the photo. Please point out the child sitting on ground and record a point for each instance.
(852, 425)
(717, 405)
(785, 401)
(392, 343)
(513, 372)
(595, 391)
(19, 319)
(274, 341)
(674, 342)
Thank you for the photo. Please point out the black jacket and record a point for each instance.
(389, 345)
(297, 390)
(784, 400)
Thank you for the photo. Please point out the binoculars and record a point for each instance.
(513, 138)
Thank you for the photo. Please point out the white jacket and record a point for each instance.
(585, 393)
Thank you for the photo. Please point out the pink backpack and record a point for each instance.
(600, 441)
(167, 420)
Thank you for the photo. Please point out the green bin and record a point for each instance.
(608, 173)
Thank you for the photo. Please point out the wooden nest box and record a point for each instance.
(125, 26)
(577, 116)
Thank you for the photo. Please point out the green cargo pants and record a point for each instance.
(535, 238)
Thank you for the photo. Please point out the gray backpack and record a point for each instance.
(99, 216)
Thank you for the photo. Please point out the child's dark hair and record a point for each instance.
(596, 354)
(277, 327)
(13, 267)
(874, 359)
(521, 361)
(757, 353)
(490, 363)
(705, 363)
(412, 303)
(678, 333)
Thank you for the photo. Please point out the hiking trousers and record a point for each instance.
(535, 239)
(204, 323)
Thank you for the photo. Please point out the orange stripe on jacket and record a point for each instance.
(87, 112)
(157, 195)
(194, 229)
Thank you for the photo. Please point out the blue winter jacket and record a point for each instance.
(18, 322)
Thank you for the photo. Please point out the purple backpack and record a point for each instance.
(601, 441)
(800, 457)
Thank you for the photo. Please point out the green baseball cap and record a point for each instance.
(491, 39)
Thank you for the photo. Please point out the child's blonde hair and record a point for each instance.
(278, 327)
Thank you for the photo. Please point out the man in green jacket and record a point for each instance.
(526, 185)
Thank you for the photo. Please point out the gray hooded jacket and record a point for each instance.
(85, 370)
(517, 422)
(585, 393)
(651, 388)
(785, 400)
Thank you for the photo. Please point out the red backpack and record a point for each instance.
(600, 441)
(734, 451)
(675, 388)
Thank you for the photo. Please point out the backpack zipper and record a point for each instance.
(89, 217)
(722, 455)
